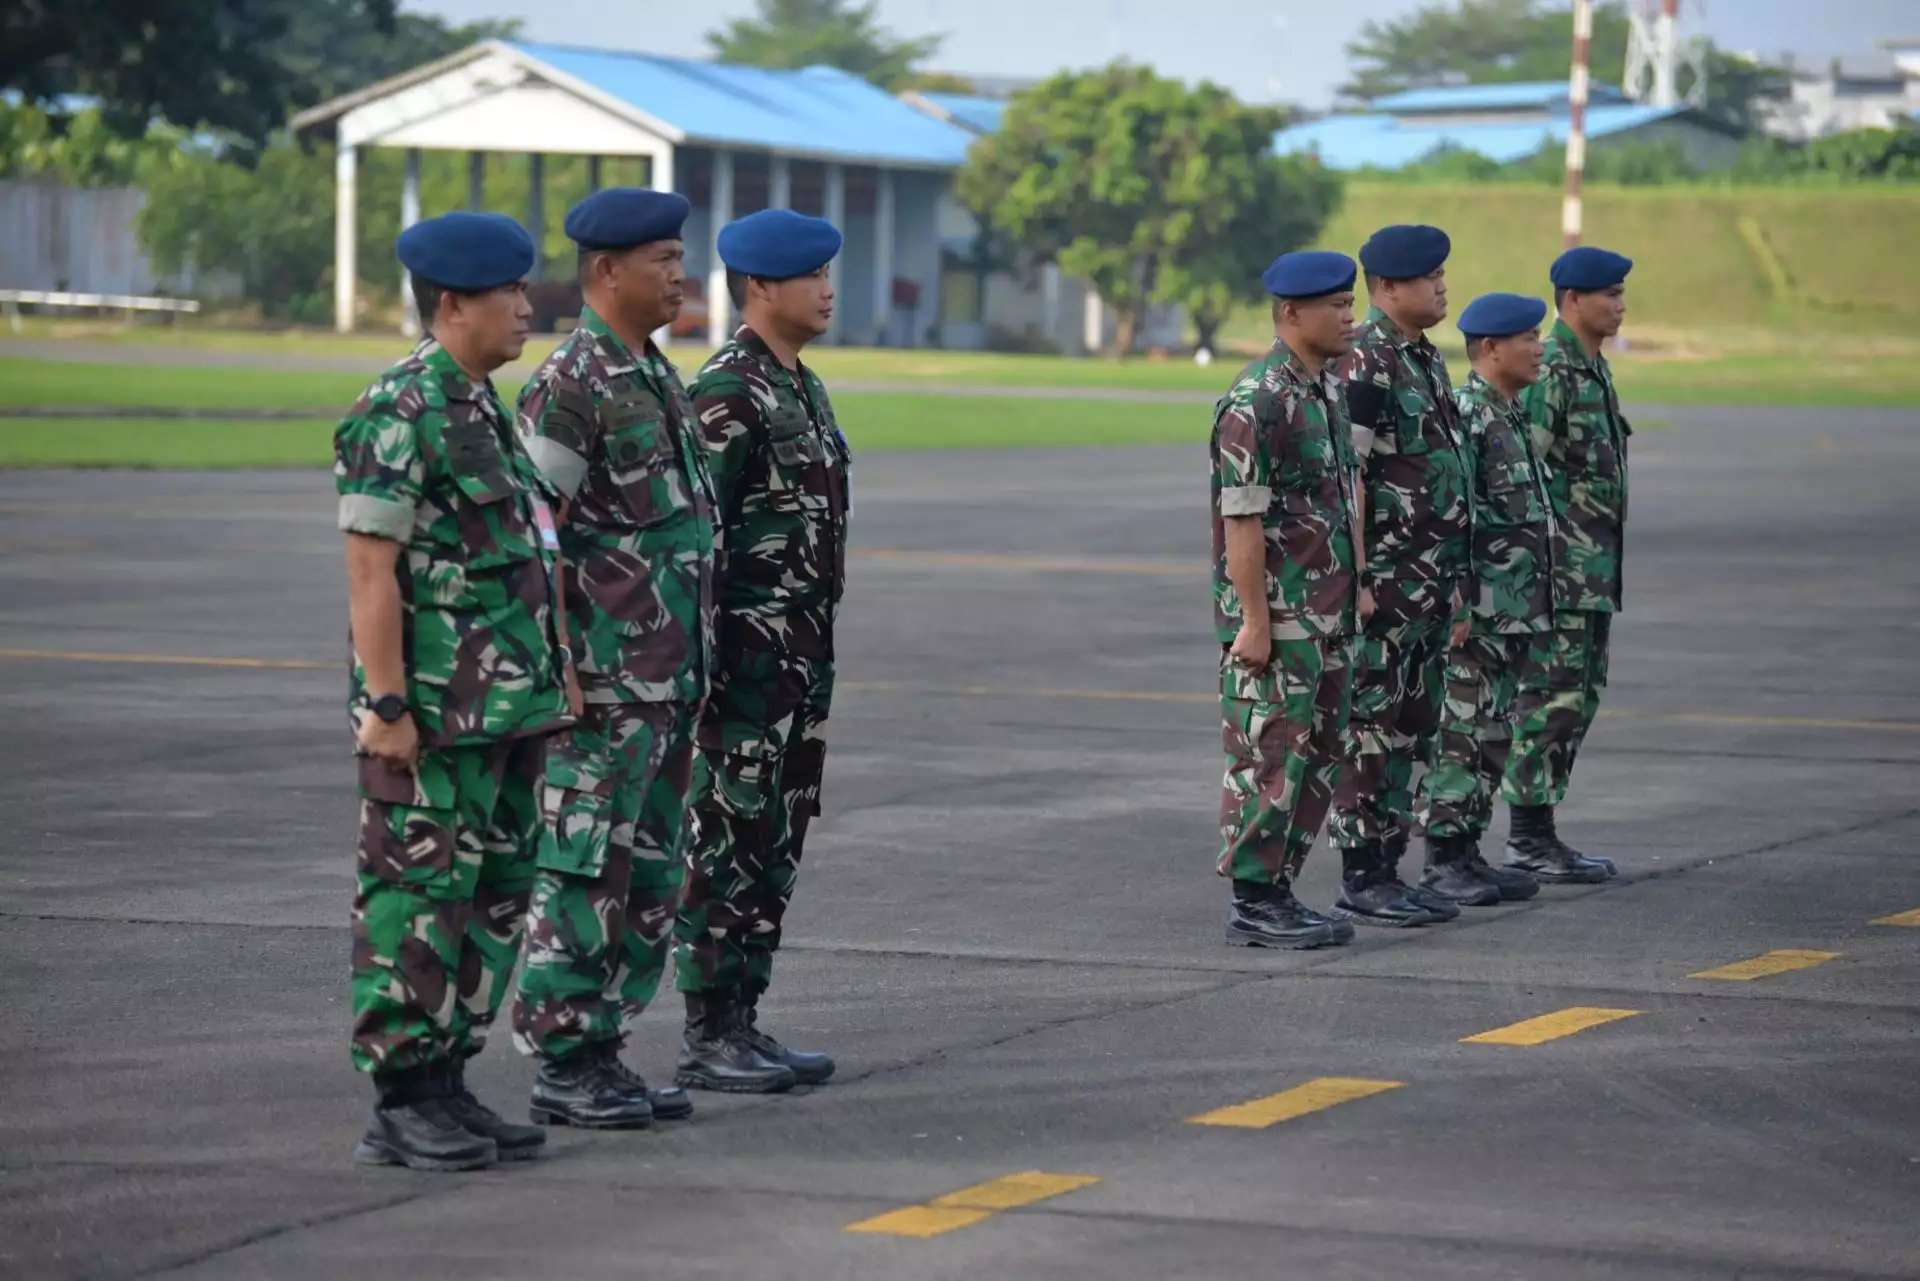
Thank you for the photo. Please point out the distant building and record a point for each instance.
(732, 139)
(1840, 96)
(1503, 122)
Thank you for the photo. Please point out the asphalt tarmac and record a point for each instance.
(1008, 927)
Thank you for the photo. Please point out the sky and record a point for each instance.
(1263, 50)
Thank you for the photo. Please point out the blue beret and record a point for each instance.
(466, 252)
(622, 217)
(1404, 252)
(1501, 315)
(1589, 268)
(1309, 274)
(778, 244)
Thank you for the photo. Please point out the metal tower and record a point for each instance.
(1656, 56)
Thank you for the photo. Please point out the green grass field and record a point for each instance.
(872, 422)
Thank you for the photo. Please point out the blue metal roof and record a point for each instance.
(1537, 94)
(818, 111)
(980, 114)
(1392, 142)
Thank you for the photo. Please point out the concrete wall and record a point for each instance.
(1709, 149)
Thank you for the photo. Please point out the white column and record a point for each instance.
(1050, 301)
(537, 209)
(836, 213)
(1093, 324)
(779, 183)
(719, 306)
(409, 214)
(345, 267)
(883, 259)
(660, 170)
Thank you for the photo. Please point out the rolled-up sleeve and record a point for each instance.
(1241, 464)
(379, 473)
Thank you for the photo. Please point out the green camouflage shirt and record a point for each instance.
(1283, 451)
(616, 436)
(780, 468)
(1512, 524)
(1419, 500)
(1582, 437)
(427, 458)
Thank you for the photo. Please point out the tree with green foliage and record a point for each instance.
(822, 33)
(81, 150)
(1148, 189)
(1511, 41)
(235, 67)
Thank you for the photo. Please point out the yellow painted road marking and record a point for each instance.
(969, 1206)
(969, 691)
(1316, 1095)
(173, 660)
(1901, 918)
(1550, 1027)
(1782, 961)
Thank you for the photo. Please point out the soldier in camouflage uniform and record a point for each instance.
(456, 677)
(1416, 508)
(1577, 421)
(1511, 601)
(1286, 559)
(609, 424)
(780, 467)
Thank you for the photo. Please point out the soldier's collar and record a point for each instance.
(756, 346)
(1292, 368)
(1575, 349)
(457, 382)
(619, 358)
(1383, 324)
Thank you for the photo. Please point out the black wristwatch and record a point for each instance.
(388, 707)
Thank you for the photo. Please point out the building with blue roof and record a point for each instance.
(1503, 122)
(731, 139)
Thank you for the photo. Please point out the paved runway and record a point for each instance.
(1008, 927)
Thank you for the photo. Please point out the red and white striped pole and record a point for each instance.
(1577, 120)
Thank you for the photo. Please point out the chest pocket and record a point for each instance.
(1309, 476)
(495, 525)
(1507, 476)
(642, 463)
(1414, 424)
(801, 462)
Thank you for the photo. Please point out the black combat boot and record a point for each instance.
(411, 1126)
(809, 1067)
(1532, 846)
(1439, 904)
(669, 1102)
(715, 1053)
(1514, 885)
(514, 1142)
(1450, 873)
(1264, 915)
(1370, 894)
(581, 1090)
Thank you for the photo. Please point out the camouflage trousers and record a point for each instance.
(608, 885)
(1559, 695)
(1456, 796)
(1399, 686)
(1285, 739)
(756, 786)
(445, 864)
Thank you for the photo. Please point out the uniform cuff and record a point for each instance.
(1246, 500)
(379, 517)
(564, 469)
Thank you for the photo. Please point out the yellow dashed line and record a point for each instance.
(1550, 1027)
(969, 1206)
(1315, 1096)
(1782, 961)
